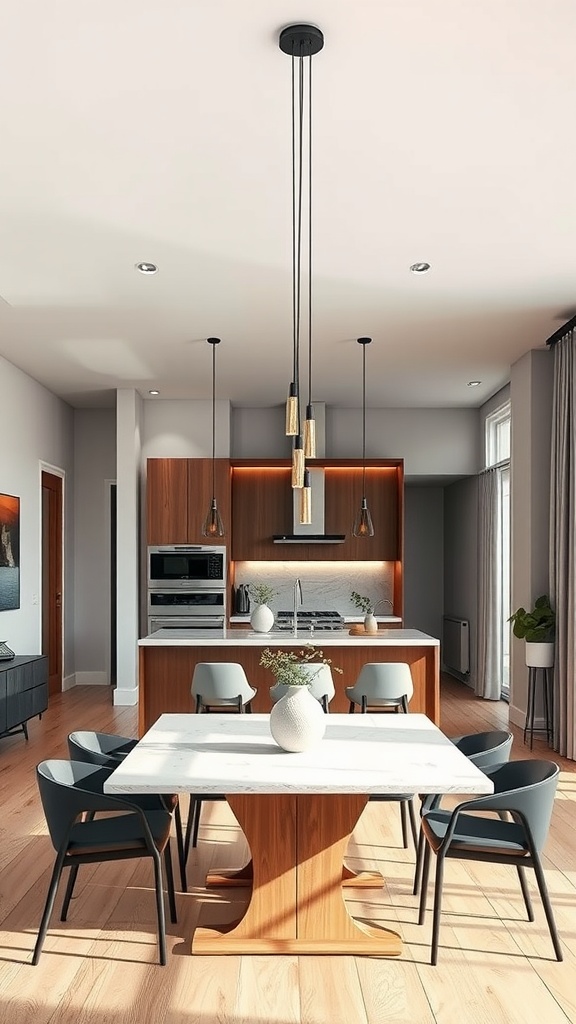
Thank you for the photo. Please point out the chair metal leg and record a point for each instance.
(404, 822)
(160, 908)
(543, 889)
(180, 847)
(351, 708)
(424, 884)
(413, 825)
(324, 703)
(418, 865)
(525, 893)
(48, 906)
(69, 890)
(437, 908)
(170, 883)
(364, 704)
(197, 813)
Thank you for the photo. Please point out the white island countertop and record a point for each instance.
(246, 638)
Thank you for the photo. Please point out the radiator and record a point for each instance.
(456, 644)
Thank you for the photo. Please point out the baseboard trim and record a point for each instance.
(125, 696)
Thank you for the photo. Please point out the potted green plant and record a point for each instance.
(262, 618)
(537, 629)
(368, 606)
(297, 719)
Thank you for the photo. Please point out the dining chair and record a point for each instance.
(71, 793)
(485, 750)
(321, 684)
(221, 685)
(381, 686)
(387, 686)
(523, 798)
(108, 749)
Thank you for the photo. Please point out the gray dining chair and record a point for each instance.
(485, 750)
(382, 686)
(523, 798)
(108, 749)
(72, 793)
(220, 686)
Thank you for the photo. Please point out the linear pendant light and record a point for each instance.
(363, 525)
(213, 525)
(301, 43)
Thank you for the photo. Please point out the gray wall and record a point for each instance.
(37, 428)
(461, 558)
(424, 558)
(94, 465)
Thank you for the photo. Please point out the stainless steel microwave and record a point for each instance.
(188, 566)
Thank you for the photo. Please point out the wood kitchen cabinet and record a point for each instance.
(178, 495)
(262, 507)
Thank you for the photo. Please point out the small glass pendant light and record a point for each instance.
(306, 500)
(297, 462)
(213, 525)
(363, 525)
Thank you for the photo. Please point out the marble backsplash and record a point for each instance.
(326, 586)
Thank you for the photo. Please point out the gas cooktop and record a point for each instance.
(317, 621)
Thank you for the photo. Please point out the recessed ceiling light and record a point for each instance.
(420, 268)
(147, 268)
(153, 392)
(474, 383)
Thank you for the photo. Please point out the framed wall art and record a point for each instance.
(9, 552)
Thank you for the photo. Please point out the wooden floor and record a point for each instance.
(100, 966)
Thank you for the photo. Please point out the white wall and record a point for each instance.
(94, 464)
(36, 427)
(183, 430)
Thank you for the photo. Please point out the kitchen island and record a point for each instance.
(167, 659)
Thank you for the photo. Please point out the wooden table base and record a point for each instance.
(298, 845)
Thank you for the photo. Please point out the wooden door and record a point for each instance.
(52, 578)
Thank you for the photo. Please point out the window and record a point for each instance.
(497, 435)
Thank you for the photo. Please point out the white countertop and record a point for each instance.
(225, 753)
(246, 638)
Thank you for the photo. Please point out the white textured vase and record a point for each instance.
(370, 623)
(262, 618)
(539, 655)
(297, 720)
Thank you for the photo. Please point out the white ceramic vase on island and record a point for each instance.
(370, 623)
(262, 619)
(297, 721)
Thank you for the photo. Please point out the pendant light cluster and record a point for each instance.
(213, 525)
(301, 43)
(363, 525)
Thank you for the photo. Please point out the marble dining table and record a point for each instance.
(297, 811)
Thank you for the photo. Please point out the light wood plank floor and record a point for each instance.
(100, 966)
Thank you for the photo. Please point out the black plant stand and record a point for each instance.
(529, 728)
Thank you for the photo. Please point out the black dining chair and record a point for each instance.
(72, 794)
(523, 798)
(108, 749)
(484, 749)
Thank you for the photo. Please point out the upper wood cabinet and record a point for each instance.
(178, 495)
(262, 507)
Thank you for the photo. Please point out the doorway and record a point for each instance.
(52, 534)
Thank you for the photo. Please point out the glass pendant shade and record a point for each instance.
(292, 411)
(213, 526)
(310, 434)
(306, 500)
(298, 463)
(363, 525)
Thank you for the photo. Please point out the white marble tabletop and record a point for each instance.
(226, 753)
(246, 638)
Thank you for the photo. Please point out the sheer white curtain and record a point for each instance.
(489, 677)
(562, 543)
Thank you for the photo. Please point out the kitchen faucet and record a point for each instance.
(297, 590)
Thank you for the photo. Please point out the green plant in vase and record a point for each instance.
(261, 593)
(288, 667)
(368, 606)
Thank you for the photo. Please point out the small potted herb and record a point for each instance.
(262, 618)
(368, 606)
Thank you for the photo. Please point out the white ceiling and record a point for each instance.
(443, 131)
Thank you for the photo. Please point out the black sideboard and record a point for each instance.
(23, 692)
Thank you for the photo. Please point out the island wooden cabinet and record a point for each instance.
(262, 507)
(178, 495)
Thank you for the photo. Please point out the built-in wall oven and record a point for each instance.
(186, 587)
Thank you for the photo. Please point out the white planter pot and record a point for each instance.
(539, 655)
(262, 619)
(297, 720)
(370, 623)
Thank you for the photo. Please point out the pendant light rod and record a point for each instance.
(364, 342)
(213, 526)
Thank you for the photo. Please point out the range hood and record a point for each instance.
(310, 533)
